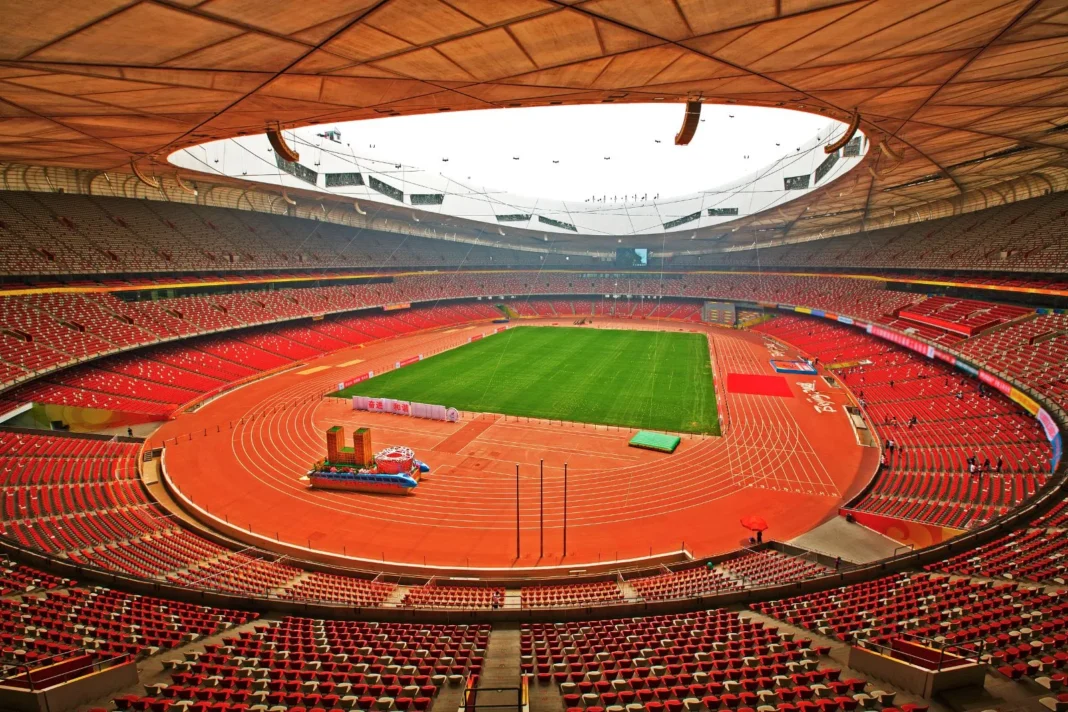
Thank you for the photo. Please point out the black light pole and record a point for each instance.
(565, 509)
(517, 512)
(541, 508)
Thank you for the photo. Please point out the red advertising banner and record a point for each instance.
(902, 340)
(1048, 424)
(943, 356)
(379, 405)
(353, 381)
(995, 382)
(408, 361)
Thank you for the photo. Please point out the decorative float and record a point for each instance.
(391, 471)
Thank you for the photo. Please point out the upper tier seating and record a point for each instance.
(44, 233)
(1026, 236)
(47, 233)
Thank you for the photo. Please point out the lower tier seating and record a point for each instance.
(570, 594)
(159, 380)
(301, 663)
(956, 453)
(706, 660)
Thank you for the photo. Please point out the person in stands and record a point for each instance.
(997, 467)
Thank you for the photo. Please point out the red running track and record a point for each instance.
(779, 458)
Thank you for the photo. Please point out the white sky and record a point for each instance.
(480, 146)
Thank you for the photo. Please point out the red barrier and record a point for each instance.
(945, 324)
(917, 534)
(924, 656)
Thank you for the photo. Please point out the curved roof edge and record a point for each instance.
(706, 209)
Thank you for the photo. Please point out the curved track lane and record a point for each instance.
(241, 458)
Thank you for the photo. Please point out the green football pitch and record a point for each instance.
(655, 380)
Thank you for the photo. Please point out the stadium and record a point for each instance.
(578, 356)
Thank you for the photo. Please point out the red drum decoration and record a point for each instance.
(394, 460)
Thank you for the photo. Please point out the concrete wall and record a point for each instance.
(912, 678)
(70, 695)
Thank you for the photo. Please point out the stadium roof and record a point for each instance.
(360, 172)
(965, 99)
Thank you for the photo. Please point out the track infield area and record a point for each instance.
(655, 380)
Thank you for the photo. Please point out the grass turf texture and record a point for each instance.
(655, 380)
